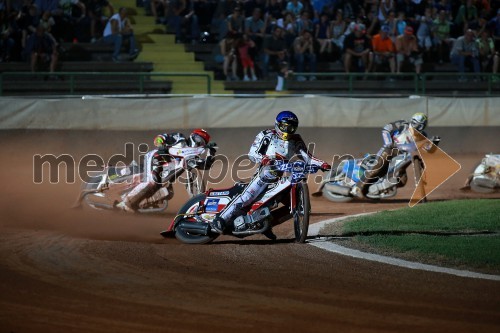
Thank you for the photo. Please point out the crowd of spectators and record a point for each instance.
(364, 35)
(258, 36)
(35, 30)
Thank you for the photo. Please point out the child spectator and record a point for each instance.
(245, 47)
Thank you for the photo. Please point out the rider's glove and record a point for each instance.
(325, 167)
(436, 139)
(266, 161)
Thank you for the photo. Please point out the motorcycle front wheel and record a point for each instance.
(191, 206)
(196, 184)
(419, 167)
(301, 212)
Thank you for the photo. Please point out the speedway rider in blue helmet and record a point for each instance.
(280, 143)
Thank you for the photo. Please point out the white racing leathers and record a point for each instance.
(267, 144)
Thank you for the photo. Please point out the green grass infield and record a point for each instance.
(463, 233)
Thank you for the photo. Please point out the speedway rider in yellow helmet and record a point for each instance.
(280, 143)
(418, 122)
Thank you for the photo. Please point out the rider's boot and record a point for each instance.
(270, 234)
(142, 191)
(219, 224)
(357, 190)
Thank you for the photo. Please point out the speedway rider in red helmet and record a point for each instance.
(157, 161)
(280, 143)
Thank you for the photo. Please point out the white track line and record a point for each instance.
(325, 244)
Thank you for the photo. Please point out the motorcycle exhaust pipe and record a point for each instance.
(337, 189)
(197, 228)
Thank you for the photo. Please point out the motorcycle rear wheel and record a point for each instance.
(480, 189)
(301, 212)
(334, 196)
(185, 236)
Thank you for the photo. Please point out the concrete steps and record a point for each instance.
(167, 56)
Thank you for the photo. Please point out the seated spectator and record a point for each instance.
(7, 42)
(236, 22)
(190, 23)
(47, 21)
(275, 8)
(424, 31)
(304, 23)
(407, 51)
(249, 7)
(245, 45)
(295, 7)
(118, 29)
(228, 51)
(488, 57)
(159, 10)
(442, 40)
(322, 34)
(399, 26)
(383, 49)
(181, 15)
(289, 24)
(27, 21)
(71, 20)
(357, 48)
(303, 47)
(465, 50)
(41, 50)
(466, 14)
(494, 25)
(337, 30)
(275, 51)
(98, 20)
(254, 27)
(372, 23)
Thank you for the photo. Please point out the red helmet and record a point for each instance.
(200, 133)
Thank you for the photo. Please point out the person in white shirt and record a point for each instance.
(116, 31)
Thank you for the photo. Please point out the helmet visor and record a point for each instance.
(419, 126)
(287, 127)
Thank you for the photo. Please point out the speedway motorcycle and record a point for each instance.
(108, 188)
(340, 181)
(287, 198)
(486, 175)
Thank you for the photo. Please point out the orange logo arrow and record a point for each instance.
(437, 167)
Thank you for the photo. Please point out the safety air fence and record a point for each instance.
(218, 112)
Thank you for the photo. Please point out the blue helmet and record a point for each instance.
(286, 124)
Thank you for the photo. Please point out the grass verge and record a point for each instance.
(462, 233)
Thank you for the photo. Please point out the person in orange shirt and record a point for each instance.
(384, 49)
(407, 50)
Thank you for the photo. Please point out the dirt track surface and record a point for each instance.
(63, 270)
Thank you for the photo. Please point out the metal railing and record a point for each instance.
(420, 81)
(72, 76)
